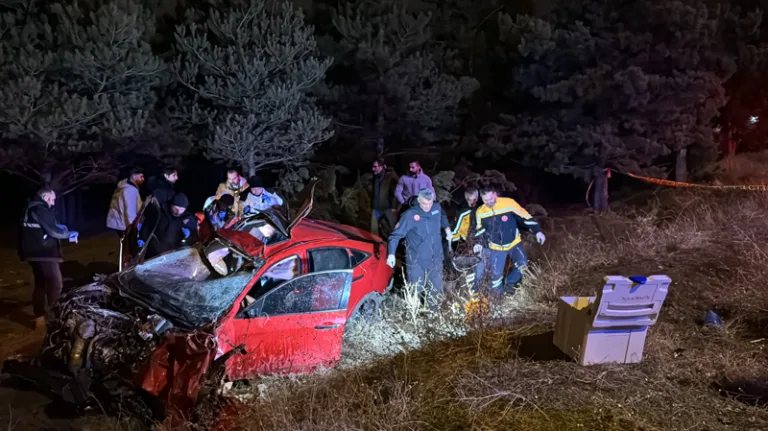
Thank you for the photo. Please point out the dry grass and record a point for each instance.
(508, 376)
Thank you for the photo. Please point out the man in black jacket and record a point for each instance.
(175, 227)
(383, 199)
(39, 245)
(162, 188)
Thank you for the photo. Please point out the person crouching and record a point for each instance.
(175, 227)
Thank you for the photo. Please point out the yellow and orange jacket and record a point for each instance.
(498, 228)
(465, 224)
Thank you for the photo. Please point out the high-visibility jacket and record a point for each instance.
(498, 227)
(465, 224)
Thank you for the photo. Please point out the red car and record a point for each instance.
(234, 307)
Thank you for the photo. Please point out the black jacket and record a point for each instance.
(168, 234)
(161, 189)
(383, 191)
(423, 233)
(39, 234)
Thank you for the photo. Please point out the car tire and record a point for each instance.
(367, 309)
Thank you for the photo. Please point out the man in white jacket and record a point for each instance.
(126, 202)
(259, 198)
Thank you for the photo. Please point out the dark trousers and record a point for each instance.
(383, 222)
(48, 285)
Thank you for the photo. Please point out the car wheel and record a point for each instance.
(368, 308)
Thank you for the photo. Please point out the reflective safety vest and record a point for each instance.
(498, 227)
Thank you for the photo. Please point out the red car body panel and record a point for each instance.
(282, 343)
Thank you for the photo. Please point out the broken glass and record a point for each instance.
(180, 287)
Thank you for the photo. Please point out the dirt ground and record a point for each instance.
(26, 409)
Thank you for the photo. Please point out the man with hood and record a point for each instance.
(409, 185)
(126, 202)
(175, 227)
(234, 185)
(382, 199)
(257, 198)
(423, 226)
(39, 245)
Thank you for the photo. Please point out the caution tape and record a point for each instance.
(670, 183)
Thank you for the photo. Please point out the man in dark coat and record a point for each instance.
(175, 227)
(383, 199)
(423, 226)
(39, 245)
(162, 188)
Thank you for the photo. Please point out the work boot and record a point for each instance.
(511, 289)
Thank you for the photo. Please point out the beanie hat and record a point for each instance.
(180, 200)
(255, 181)
(227, 200)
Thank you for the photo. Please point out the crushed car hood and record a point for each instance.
(181, 287)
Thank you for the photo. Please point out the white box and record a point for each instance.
(610, 327)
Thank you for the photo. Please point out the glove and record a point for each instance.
(247, 209)
(222, 215)
(62, 226)
(73, 236)
(477, 248)
(541, 238)
(141, 243)
(391, 260)
(448, 235)
(186, 232)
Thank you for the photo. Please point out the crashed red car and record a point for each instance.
(232, 307)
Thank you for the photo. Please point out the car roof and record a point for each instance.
(306, 230)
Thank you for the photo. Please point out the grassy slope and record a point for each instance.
(713, 248)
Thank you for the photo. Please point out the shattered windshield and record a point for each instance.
(180, 286)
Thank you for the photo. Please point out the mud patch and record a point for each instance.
(752, 392)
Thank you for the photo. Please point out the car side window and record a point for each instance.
(358, 257)
(306, 294)
(329, 259)
(277, 274)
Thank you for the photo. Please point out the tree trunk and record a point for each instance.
(600, 193)
(600, 177)
(727, 141)
(681, 165)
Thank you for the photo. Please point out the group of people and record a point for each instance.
(165, 226)
(491, 230)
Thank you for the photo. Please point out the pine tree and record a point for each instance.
(78, 90)
(603, 89)
(246, 68)
(392, 82)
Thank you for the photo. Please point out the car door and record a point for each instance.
(296, 327)
(334, 258)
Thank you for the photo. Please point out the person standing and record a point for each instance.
(409, 185)
(173, 227)
(162, 188)
(126, 202)
(39, 246)
(465, 222)
(421, 227)
(382, 199)
(498, 221)
(235, 185)
(258, 198)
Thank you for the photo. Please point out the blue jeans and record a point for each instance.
(498, 260)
